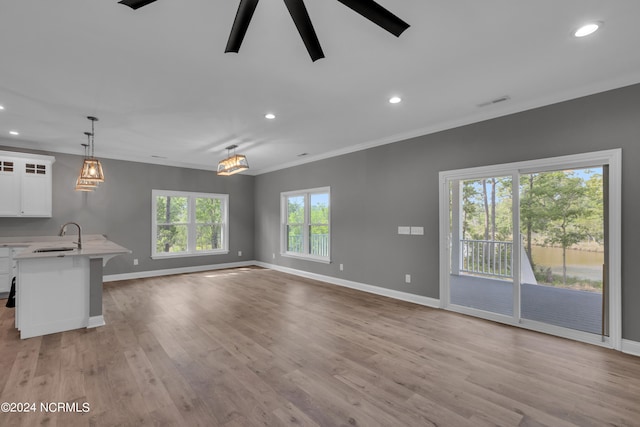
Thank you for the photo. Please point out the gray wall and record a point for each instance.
(372, 192)
(121, 209)
(376, 190)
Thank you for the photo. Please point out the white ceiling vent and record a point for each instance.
(495, 101)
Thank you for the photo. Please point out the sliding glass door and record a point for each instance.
(482, 244)
(562, 224)
(552, 271)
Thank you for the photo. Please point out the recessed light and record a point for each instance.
(1, 107)
(13, 132)
(587, 29)
(270, 116)
(395, 100)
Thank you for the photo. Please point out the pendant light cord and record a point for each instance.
(93, 139)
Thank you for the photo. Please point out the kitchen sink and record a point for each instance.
(61, 249)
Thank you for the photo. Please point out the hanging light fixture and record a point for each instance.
(232, 164)
(91, 167)
(83, 184)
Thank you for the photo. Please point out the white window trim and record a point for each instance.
(613, 158)
(307, 222)
(191, 225)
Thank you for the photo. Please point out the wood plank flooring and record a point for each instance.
(255, 347)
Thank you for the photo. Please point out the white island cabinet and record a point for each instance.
(52, 295)
(59, 287)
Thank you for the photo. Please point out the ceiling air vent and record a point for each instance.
(495, 101)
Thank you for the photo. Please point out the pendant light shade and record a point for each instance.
(83, 184)
(92, 171)
(91, 167)
(232, 164)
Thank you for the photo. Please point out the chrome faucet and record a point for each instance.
(62, 232)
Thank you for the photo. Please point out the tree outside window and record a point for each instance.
(189, 223)
(305, 224)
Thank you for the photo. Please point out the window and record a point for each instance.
(305, 221)
(187, 224)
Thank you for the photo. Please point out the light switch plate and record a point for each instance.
(417, 231)
(404, 230)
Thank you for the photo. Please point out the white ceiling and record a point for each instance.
(160, 83)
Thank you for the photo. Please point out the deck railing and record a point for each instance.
(487, 257)
(319, 245)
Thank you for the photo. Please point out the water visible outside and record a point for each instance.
(580, 264)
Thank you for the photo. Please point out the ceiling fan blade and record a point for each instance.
(240, 24)
(300, 17)
(378, 15)
(136, 4)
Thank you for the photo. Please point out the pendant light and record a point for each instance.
(83, 184)
(232, 164)
(91, 167)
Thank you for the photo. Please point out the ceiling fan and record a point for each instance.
(367, 8)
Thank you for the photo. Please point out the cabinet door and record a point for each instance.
(36, 189)
(5, 270)
(9, 188)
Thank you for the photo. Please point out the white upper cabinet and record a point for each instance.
(25, 184)
(9, 187)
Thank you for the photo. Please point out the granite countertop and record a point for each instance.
(93, 246)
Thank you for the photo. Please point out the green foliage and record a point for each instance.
(172, 213)
(562, 207)
(559, 208)
(545, 276)
(208, 224)
(475, 223)
(318, 216)
(208, 210)
(172, 217)
(295, 210)
(172, 210)
(319, 209)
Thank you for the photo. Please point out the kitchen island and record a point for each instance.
(59, 287)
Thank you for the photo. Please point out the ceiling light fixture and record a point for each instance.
(1, 107)
(91, 167)
(83, 184)
(270, 116)
(14, 132)
(587, 29)
(232, 164)
(395, 100)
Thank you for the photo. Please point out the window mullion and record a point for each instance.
(307, 224)
(191, 228)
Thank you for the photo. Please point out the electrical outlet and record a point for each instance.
(407, 278)
(135, 261)
(341, 267)
(239, 253)
(273, 255)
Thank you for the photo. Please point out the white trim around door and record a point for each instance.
(612, 158)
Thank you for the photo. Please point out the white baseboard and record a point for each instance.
(170, 271)
(403, 296)
(95, 321)
(631, 347)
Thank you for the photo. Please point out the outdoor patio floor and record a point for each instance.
(575, 309)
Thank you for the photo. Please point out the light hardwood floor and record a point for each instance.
(255, 347)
